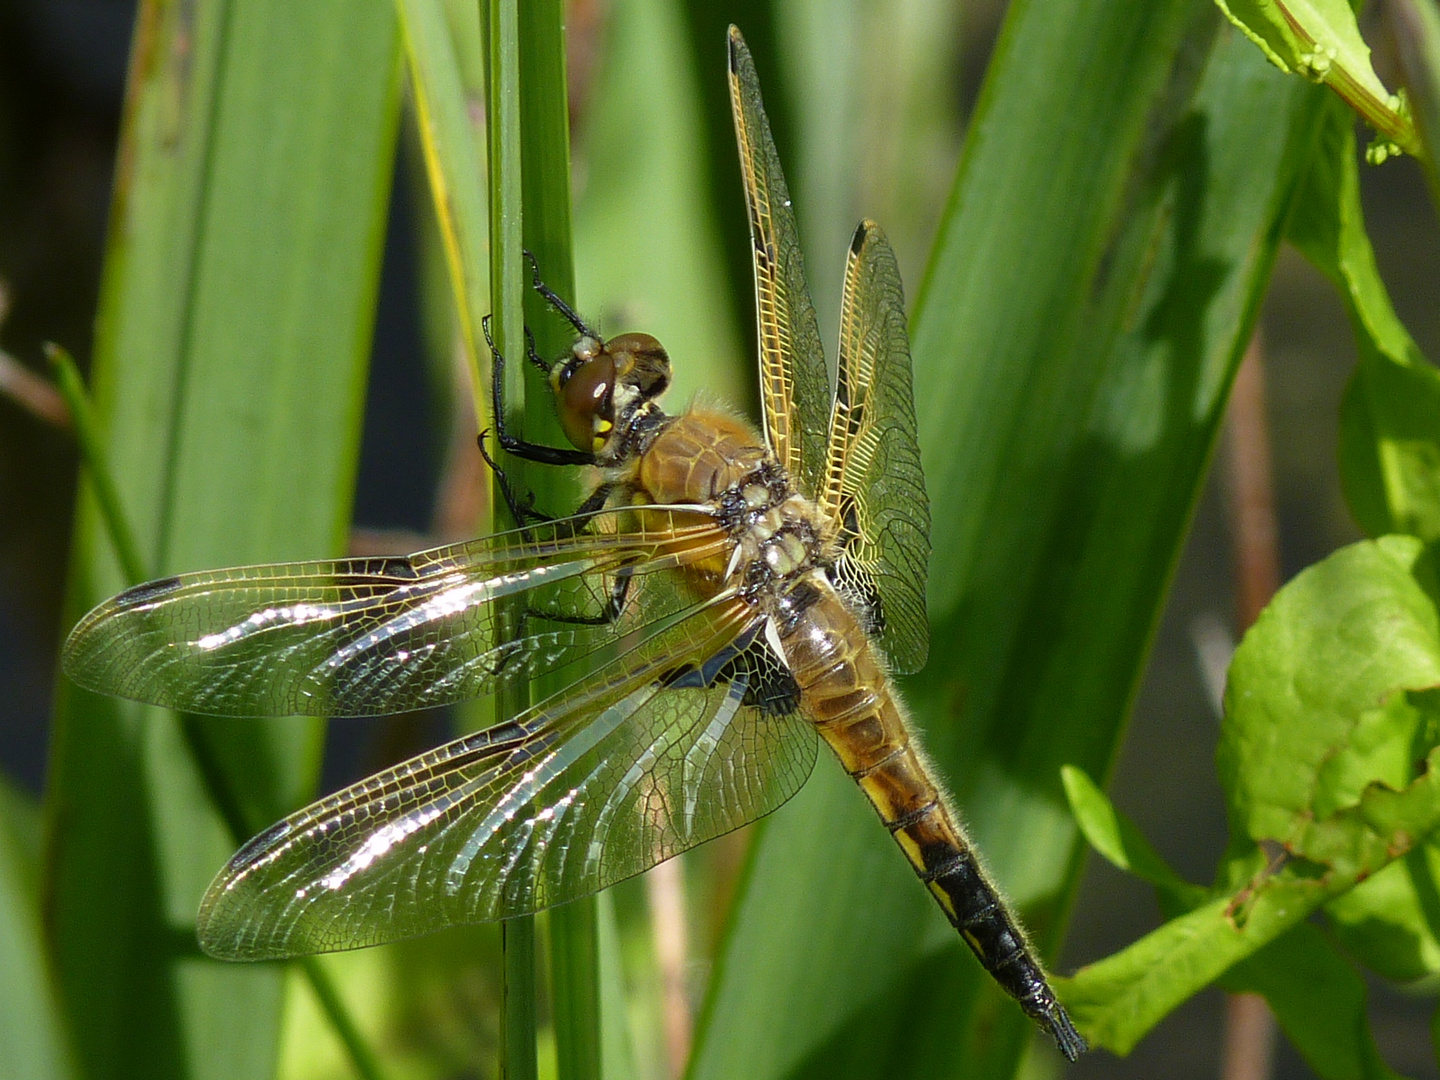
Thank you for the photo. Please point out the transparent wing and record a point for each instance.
(651, 755)
(874, 486)
(363, 637)
(794, 385)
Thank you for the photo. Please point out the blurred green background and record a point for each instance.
(889, 153)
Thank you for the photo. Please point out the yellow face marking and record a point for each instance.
(602, 433)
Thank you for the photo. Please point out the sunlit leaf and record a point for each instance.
(1390, 416)
(1320, 40)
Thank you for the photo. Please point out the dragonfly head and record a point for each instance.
(600, 384)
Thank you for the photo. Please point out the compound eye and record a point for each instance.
(640, 345)
(583, 402)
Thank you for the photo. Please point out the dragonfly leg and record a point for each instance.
(538, 452)
(554, 300)
(524, 512)
(532, 355)
(614, 605)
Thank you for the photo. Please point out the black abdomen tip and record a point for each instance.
(1071, 1043)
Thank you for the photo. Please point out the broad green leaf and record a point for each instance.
(1319, 998)
(1390, 416)
(1088, 297)
(1117, 1000)
(1389, 922)
(1317, 995)
(1317, 754)
(1390, 445)
(231, 349)
(1118, 839)
(1320, 40)
(1315, 706)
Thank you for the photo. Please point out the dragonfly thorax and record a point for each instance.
(778, 533)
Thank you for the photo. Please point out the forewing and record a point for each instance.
(361, 637)
(640, 761)
(794, 385)
(874, 487)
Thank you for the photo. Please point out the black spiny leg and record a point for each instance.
(525, 514)
(554, 301)
(522, 513)
(545, 455)
(619, 593)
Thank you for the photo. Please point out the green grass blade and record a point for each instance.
(362, 1057)
(528, 166)
(518, 1012)
(575, 989)
(546, 229)
(455, 166)
(231, 349)
(502, 51)
(1088, 296)
(32, 1027)
(648, 241)
(92, 453)
(225, 801)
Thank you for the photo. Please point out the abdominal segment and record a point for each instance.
(847, 694)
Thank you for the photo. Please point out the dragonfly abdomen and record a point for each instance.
(847, 694)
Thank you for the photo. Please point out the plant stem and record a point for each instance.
(1249, 1047)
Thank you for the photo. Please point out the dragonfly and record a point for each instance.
(724, 601)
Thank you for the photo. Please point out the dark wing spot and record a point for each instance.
(769, 684)
(397, 568)
(858, 240)
(150, 590)
(683, 678)
(258, 845)
(773, 691)
(689, 676)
